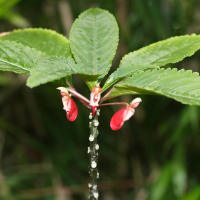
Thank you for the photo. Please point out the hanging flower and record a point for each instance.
(94, 99)
(124, 114)
(68, 104)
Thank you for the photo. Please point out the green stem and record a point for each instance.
(93, 154)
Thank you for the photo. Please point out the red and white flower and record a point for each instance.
(94, 99)
(124, 114)
(68, 104)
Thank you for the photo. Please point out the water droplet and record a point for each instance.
(96, 146)
(95, 97)
(91, 138)
(96, 195)
(93, 164)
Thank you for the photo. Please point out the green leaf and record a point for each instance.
(162, 185)
(54, 68)
(193, 195)
(180, 85)
(122, 72)
(46, 41)
(17, 58)
(94, 40)
(161, 53)
(6, 5)
(16, 19)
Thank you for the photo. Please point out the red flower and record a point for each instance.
(124, 114)
(94, 99)
(68, 104)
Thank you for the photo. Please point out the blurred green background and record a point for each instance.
(43, 156)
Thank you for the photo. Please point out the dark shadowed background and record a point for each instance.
(43, 156)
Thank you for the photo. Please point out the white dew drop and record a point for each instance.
(97, 147)
(91, 138)
(89, 185)
(96, 123)
(90, 116)
(88, 150)
(93, 164)
(96, 195)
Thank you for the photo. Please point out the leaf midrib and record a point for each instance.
(14, 65)
(95, 38)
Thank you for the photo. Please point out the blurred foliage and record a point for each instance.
(155, 156)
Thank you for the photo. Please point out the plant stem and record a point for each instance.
(93, 154)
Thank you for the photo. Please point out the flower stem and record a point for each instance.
(93, 155)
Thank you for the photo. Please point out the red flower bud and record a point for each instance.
(69, 105)
(96, 89)
(124, 114)
(118, 119)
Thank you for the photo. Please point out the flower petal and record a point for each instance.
(66, 100)
(94, 109)
(63, 91)
(73, 111)
(94, 99)
(118, 119)
(135, 102)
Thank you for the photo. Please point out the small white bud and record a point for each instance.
(96, 195)
(97, 175)
(93, 164)
(91, 138)
(97, 147)
(88, 150)
(96, 123)
(98, 113)
(95, 187)
(89, 185)
(90, 116)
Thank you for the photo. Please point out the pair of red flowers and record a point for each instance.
(70, 107)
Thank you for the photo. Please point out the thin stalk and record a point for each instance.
(115, 103)
(93, 156)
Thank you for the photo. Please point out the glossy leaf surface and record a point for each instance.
(180, 85)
